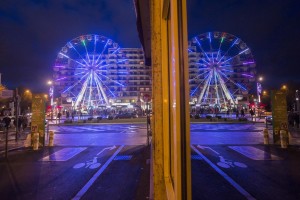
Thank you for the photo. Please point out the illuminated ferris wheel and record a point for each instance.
(83, 68)
(222, 69)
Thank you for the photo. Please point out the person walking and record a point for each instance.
(252, 114)
(7, 121)
(242, 113)
(237, 113)
(58, 117)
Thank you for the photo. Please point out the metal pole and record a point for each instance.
(147, 114)
(17, 113)
(6, 143)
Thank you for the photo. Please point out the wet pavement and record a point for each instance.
(111, 161)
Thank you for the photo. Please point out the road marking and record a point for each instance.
(123, 157)
(96, 175)
(107, 148)
(225, 176)
(254, 153)
(64, 154)
(204, 147)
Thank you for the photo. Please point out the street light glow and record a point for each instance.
(264, 92)
(284, 87)
(49, 82)
(261, 78)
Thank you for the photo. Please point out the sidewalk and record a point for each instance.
(12, 142)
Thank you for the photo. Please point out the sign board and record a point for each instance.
(279, 114)
(4, 94)
(38, 117)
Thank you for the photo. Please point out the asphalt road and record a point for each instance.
(111, 161)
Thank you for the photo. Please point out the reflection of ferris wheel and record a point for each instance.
(82, 70)
(222, 69)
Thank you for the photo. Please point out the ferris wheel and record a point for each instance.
(83, 69)
(222, 69)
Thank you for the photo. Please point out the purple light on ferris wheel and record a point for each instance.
(247, 63)
(247, 75)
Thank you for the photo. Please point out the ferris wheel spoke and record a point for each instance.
(216, 87)
(200, 75)
(79, 81)
(90, 89)
(225, 54)
(227, 93)
(208, 88)
(104, 48)
(87, 53)
(109, 89)
(210, 45)
(70, 68)
(236, 55)
(100, 88)
(204, 88)
(81, 95)
(65, 77)
(95, 46)
(248, 75)
(73, 47)
(237, 84)
(222, 39)
(99, 73)
(200, 46)
(200, 84)
(100, 67)
(64, 55)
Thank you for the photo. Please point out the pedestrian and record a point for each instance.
(227, 113)
(20, 122)
(24, 122)
(73, 115)
(252, 114)
(297, 120)
(67, 114)
(237, 113)
(291, 119)
(7, 121)
(242, 113)
(58, 117)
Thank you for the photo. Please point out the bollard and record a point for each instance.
(51, 138)
(35, 141)
(266, 136)
(283, 138)
(27, 142)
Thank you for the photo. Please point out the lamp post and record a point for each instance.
(259, 88)
(51, 93)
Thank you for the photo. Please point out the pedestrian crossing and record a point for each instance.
(92, 129)
(225, 127)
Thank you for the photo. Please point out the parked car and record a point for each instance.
(126, 116)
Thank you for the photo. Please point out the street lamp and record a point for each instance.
(265, 93)
(51, 93)
(284, 87)
(297, 101)
(258, 87)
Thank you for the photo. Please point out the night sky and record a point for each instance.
(32, 32)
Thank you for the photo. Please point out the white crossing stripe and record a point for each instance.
(254, 153)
